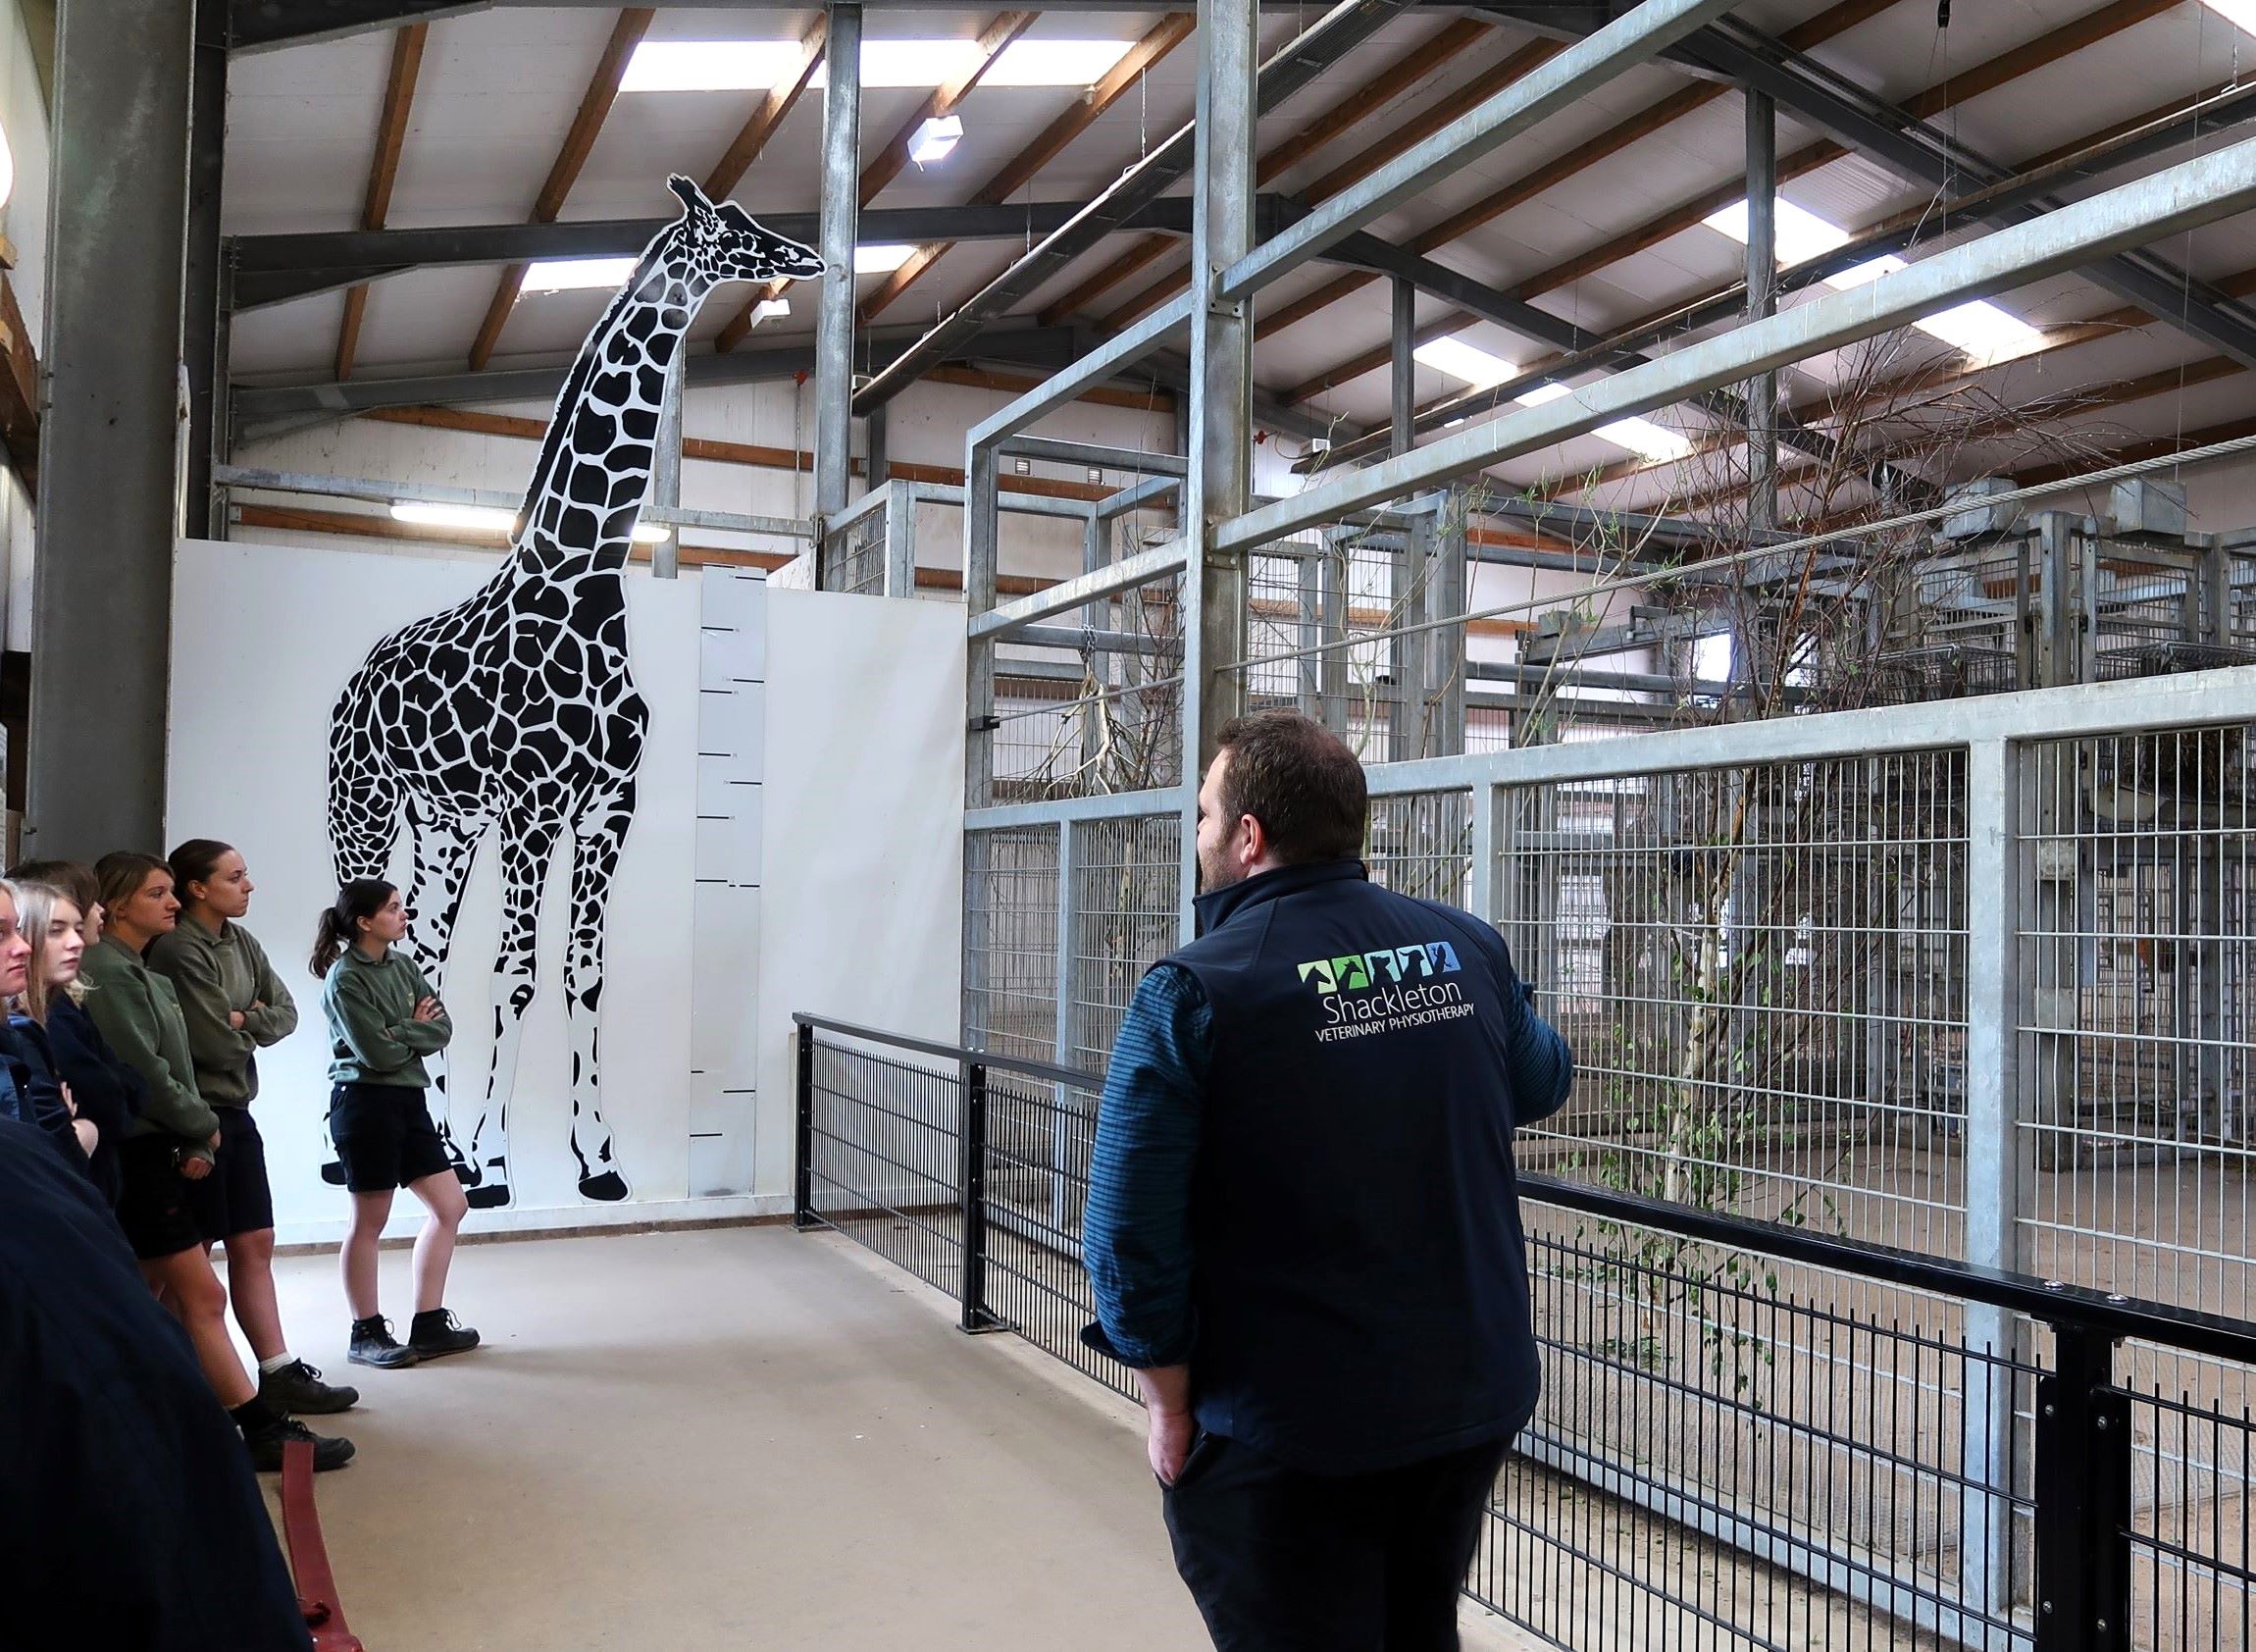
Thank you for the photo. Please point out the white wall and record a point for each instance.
(862, 857)
(264, 638)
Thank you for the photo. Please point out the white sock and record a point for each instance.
(267, 1367)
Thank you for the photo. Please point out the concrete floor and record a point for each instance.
(733, 1437)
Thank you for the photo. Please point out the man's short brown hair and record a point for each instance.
(1300, 780)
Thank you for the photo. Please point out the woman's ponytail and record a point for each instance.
(339, 926)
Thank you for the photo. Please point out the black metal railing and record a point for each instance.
(1751, 1435)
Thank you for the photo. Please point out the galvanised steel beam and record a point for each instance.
(274, 269)
(1925, 155)
(1542, 93)
(1324, 43)
(260, 409)
(834, 314)
(1158, 563)
(2181, 197)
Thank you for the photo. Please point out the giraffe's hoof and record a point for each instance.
(487, 1196)
(609, 1188)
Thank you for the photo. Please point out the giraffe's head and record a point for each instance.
(722, 243)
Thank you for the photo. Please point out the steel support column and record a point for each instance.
(1220, 486)
(1404, 411)
(666, 470)
(108, 482)
(833, 321)
(1761, 301)
(204, 316)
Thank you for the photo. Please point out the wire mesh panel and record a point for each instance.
(2138, 953)
(1420, 844)
(1806, 1428)
(885, 1159)
(1039, 1139)
(1010, 940)
(2193, 1540)
(1762, 971)
(1126, 877)
(853, 558)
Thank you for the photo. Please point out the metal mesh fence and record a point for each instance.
(885, 1159)
(854, 559)
(1126, 874)
(1420, 844)
(1010, 940)
(1763, 973)
(1809, 1430)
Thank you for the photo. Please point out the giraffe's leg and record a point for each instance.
(444, 852)
(595, 859)
(525, 848)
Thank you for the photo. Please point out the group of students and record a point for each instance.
(137, 1003)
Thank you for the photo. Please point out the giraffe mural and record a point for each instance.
(513, 715)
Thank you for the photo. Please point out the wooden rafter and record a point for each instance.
(1955, 89)
(784, 96)
(890, 162)
(383, 172)
(1366, 100)
(1020, 170)
(578, 143)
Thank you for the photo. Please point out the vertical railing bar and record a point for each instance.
(802, 1150)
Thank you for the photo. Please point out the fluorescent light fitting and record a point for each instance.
(880, 260)
(771, 309)
(1460, 360)
(737, 66)
(653, 533)
(566, 275)
(1982, 329)
(427, 514)
(935, 139)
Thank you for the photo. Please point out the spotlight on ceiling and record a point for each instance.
(935, 139)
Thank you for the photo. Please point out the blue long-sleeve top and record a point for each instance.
(1136, 1233)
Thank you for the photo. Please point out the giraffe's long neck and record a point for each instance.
(594, 474)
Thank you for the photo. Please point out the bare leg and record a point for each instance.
(193, 1291)
(356, 1261)
(434, 1245)
(251, 1283)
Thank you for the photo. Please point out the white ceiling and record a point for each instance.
(499, 89)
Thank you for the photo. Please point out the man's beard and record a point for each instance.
(1215, 873)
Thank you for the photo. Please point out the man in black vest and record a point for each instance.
(1303, 1226)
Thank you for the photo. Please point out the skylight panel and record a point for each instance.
(1468, 362)
(1479, 369)
(726, 65)
(2240, 14)
(566, 275)
(1982, 329)
(880, 260)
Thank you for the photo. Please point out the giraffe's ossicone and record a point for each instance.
(513, 715)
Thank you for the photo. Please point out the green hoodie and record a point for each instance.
(215, 975)
(138, 1014)
(374, 1035)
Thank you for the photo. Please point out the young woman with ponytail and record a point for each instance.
(384, 1018)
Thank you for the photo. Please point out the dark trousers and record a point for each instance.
(1282, 1561)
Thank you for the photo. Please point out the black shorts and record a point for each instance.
(384, 1137)
(235, 1197)
(154, 1203)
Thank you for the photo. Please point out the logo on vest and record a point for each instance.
(1383, 990)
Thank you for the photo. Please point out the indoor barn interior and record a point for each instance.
(749, 520)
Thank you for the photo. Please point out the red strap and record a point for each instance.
(309, 1556)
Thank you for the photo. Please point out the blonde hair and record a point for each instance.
(35, 917)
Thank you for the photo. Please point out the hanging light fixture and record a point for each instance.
(935, 139)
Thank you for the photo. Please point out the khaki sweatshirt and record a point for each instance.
(215, 975)
(139, 1015)
(374, 1035)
